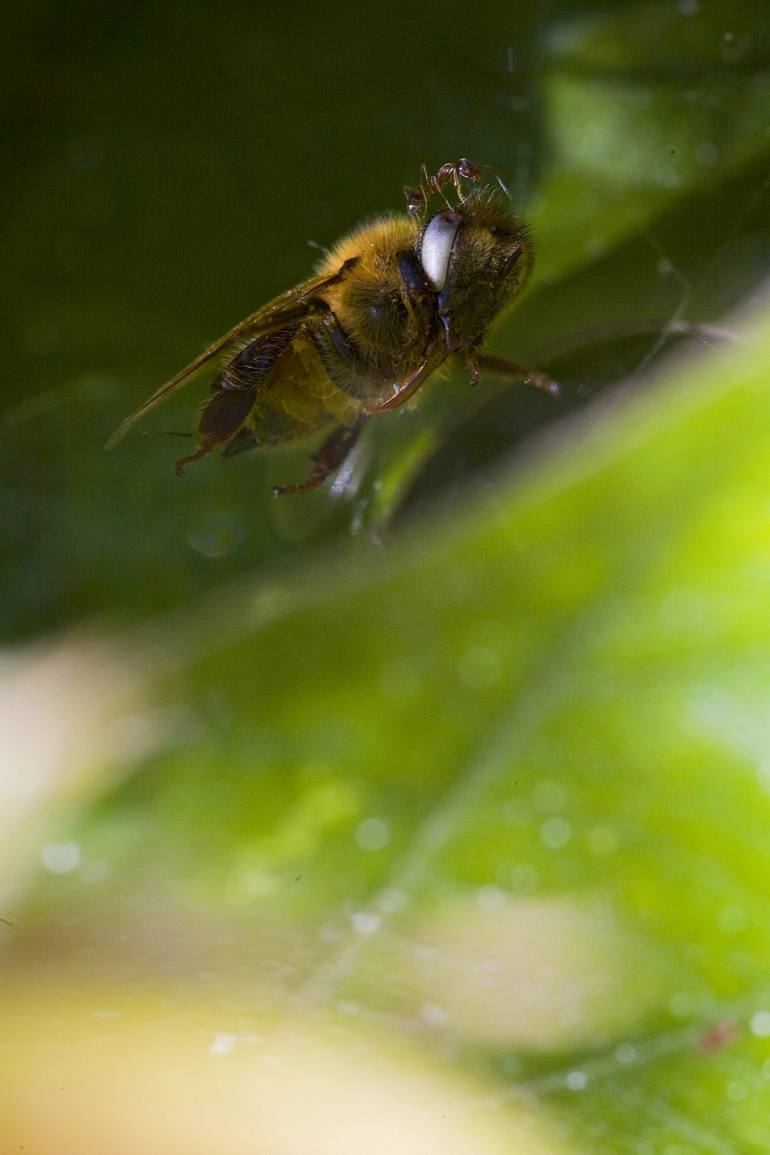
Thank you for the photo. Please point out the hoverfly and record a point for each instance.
(389, 305)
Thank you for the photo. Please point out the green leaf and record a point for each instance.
(505, 785)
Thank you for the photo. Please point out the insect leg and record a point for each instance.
(505, 368)
(220, 419)
(234, 393)
(405, 389)
(328, 458)
(416, 200)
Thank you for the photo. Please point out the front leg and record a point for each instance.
(403, 390)
(328, 458)
(504, 368)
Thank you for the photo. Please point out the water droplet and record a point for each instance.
(625, 1053)
(555, 833)
(432, 1015)
(366, 921)
(217, 534)
(60, 857)
(372, 834)
(706, 154)
(222, 1044)
(490, 897)
(576, 1080)
(760, 1024)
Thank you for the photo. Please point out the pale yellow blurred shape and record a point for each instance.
(530, 973)
(69, 718)
(107, 1074)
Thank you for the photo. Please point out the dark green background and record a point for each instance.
(166, 167)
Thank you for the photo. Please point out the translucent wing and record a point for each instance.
(290, 306)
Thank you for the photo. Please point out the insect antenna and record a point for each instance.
(501, 183)
(321, 248)
(503, 186)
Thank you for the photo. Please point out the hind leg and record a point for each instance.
(221, 418)
(235, 391)
(328, 458)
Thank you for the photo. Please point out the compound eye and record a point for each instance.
(436, 248)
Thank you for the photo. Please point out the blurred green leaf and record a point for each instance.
(505, 785)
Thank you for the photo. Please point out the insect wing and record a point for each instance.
(290, 306)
